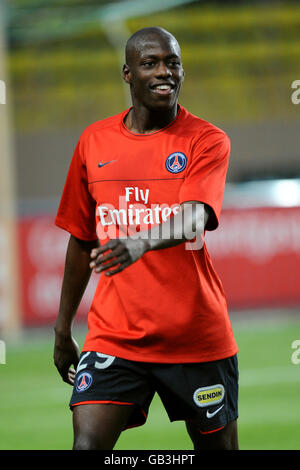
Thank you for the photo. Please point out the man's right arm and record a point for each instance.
(76, 276)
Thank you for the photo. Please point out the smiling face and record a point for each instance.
(153, 69)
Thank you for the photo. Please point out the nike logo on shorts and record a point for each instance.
(210, 415)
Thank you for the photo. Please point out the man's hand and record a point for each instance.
(66, 355)
(117, 252)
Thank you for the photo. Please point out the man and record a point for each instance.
(147, 183)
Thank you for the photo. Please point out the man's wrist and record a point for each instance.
(63, 331)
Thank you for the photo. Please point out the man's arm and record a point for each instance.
(189, 223)
(76, 276)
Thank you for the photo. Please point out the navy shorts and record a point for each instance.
(206, 393)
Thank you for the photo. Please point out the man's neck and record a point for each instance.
(141, 120)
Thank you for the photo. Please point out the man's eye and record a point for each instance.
(148, 64)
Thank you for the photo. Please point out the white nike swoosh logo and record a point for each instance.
(210, 415)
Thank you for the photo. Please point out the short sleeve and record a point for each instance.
(206, 174)
(76, 212)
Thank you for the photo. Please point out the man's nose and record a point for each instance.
(163, 70)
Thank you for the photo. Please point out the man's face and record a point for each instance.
(155, 72)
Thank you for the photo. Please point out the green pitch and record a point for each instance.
(34, 410)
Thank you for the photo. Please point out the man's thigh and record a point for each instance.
(98, 426)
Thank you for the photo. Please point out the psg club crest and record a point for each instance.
(83, 381)
(176, 162)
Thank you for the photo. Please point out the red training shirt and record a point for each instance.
(169, 306)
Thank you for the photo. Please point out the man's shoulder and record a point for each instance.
(102, 125)
(201, 128)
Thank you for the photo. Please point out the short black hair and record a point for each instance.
(144, 34)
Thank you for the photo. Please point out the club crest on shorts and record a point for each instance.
(83, 381)
(176, 162)
(209, 396)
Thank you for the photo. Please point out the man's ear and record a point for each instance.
(126, 73)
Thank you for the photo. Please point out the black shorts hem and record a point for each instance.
(214, 428)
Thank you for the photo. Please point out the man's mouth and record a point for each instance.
(163, 88)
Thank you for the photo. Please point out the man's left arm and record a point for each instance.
(119, 253)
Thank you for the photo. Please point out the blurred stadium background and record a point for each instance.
(60, 70)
